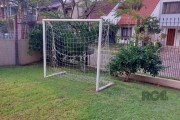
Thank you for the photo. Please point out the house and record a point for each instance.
(25, 20)
(99, 9)
(127, 22)
(106, 11)
(9, 10)
(52, 6)
(14, 51)
(1, 10)
(72, 10)
(169, 13)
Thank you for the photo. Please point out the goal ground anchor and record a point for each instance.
(104, 87)
(59, 73)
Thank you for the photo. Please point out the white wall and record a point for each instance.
(119, 34)
(77, 10)
(111, 16)
(156, 12)
(178, 37)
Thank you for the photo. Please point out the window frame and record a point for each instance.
(128, 31)
(165, 7)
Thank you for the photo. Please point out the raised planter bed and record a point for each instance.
(156, 80)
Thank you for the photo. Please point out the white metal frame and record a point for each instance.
(98, 55)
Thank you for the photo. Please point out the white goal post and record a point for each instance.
(73, 56)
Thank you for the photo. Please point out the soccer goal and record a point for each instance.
(77, 49)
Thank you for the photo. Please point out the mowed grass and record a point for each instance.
(26, 95)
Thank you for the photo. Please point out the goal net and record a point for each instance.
(77, 49)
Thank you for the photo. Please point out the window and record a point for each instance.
(25, 11)
(126, 32)
(30, 10)
(171, 8)
(34, 11)
(54, 1)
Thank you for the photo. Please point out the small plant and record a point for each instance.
(158, 44)
(118, 38)
(163, 35)
(36, 40)
(131, 59)
(6, 25)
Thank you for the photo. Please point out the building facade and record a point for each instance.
(170, 21)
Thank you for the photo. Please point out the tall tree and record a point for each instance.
(76, 5)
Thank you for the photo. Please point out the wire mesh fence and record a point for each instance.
(170, 50)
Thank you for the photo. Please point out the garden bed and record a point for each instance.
(156, 80)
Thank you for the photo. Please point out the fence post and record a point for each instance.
(16, 40)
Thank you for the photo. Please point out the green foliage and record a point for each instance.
(72, 41)
(51, 14)
(133, 4)
(130, 7)
(113, 28)
(36, 39)
(150, 60)
(136, 28)
(163, 35)
(158, 45)
(150, 25)
(126, 60)
(133, 58)
(130, 12)
(25, 94)
(3, 26)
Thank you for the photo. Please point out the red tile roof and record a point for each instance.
(127, 19)
(101, 8)
(146, 10)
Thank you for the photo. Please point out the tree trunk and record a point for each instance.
(126, 79)
(138, 31)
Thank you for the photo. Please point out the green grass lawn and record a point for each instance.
(26, 95)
